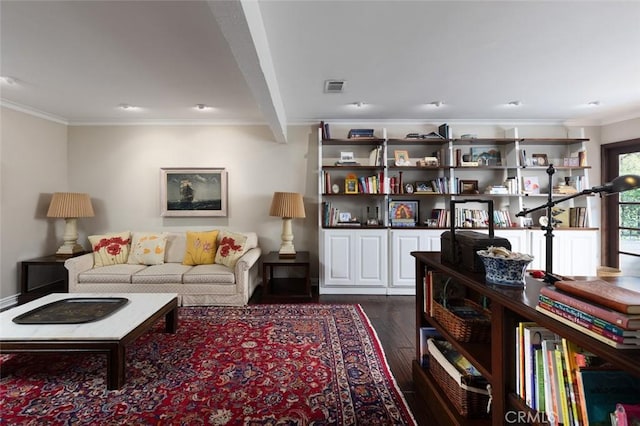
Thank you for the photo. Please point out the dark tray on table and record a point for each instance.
(75, 310)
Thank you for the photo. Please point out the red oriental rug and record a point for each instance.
(253, 365)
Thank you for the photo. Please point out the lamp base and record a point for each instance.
(287, 255)
(69, 249)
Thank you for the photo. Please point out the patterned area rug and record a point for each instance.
(256, 365)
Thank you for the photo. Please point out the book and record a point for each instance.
(625, 321)
(602, 389)
(570, 350)
(590, 321)
(560, 217)
(588, 332)
(560, 370)
(552, 392)
(627, 414)
(599, 291)
(427, 333)
(533, 335)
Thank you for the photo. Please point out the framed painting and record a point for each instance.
(193, 192)
(468, 187)
(402, 213)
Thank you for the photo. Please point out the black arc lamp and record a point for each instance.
(619, 184)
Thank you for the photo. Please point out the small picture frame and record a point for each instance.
(345, 217)
(422, 187)
(468, 187)
(351, 184)
(539, 160)
(401, 157)
(347, 157)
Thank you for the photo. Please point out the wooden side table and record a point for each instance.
(278, 288)
(43, 275)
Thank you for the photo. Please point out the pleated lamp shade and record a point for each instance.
(287, 204)
(70, 204)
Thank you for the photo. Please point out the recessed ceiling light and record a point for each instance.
(359, 104)
(594, 103)
(436, 104)
(515, 103)
(202, 107)
(127, 107)
(10, 81)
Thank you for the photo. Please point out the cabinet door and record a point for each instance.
(338, 255)
(371, 258)
(574, 252)
(403, 268)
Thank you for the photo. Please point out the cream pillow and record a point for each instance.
(110, 249)
(147, 248)
(230, 248)
(201, 248)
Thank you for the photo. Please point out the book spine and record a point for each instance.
(586, 331)
(589, 318)
(589, 326)
(587, 307)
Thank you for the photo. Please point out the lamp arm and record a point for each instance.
(555, 201)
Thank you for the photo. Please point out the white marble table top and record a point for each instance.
(113, 327)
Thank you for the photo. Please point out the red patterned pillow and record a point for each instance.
(110, 249)
(231, 247)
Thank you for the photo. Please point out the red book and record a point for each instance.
(629, 322)
(604, 293)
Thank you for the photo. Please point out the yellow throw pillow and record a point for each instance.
(230, 248)
(110, 249)
(201, 248)
(147, 248)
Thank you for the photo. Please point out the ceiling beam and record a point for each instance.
(243, 28)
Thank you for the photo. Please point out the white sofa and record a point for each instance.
(213, 284)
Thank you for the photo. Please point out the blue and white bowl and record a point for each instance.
(504, 271)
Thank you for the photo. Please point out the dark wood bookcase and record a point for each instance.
(496, 360)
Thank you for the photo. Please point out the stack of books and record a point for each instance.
(604, 311)
(360, 133)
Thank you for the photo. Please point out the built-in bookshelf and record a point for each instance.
(404, 187)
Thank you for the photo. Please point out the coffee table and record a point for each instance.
(108, 335)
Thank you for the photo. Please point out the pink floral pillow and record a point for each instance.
(230, 248)
(110, 249)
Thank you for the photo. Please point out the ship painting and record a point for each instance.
(195, 194)
(186, 191)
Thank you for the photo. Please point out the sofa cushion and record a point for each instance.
(203, 274)
(201, 248)
(231, 247)
(110, 249)
(120, 273)
(160, 274)
(147, 248)
(175, 248)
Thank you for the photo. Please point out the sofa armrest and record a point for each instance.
(77, 265)
(246, 272)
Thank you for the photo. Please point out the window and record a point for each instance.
(621, 212)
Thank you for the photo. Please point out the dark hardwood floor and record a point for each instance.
(393, 318)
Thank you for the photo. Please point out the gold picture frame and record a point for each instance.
(351, 184)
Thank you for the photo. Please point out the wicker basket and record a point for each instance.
(470, 401)
(474, 329)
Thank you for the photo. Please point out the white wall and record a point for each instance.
(621, 131)
(33, 154)
(119, 166)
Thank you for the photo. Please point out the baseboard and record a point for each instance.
(8, 302)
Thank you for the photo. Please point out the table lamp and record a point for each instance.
(287, 205)
(70, 206)
(619, 184)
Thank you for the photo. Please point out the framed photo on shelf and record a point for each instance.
(423, 186)
(193, 192)
(351, 184)
(401, 157)
(403, 213)
(468, 187)
(539, 160)
(486, 156)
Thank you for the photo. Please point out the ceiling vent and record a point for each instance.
(334, 86)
